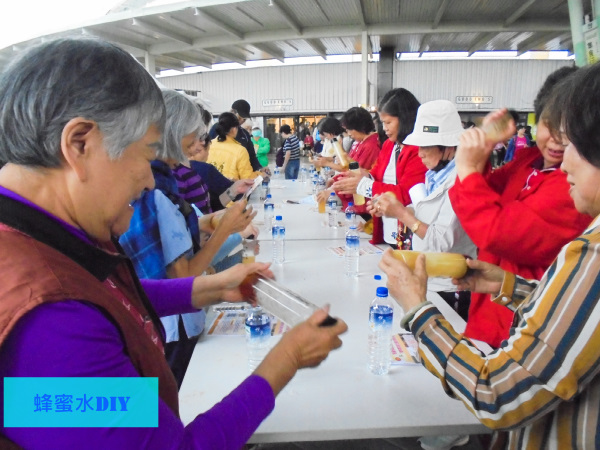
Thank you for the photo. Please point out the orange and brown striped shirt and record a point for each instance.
(542, 385)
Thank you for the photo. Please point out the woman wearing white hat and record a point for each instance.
(432, 220)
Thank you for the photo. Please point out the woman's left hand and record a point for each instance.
(409, 288)
(231, 285)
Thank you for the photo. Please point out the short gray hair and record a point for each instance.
(183, 118)
(57, 81)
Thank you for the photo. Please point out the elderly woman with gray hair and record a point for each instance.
(163, 240)
(80, 122)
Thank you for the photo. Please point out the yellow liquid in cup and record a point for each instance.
(443, 265)
(358, 199)
(248, 259)
(322, 207)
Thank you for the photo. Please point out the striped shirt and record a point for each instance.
(292, 145)
(192, 188)
(542, 385)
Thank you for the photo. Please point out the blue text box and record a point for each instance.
(81, 402)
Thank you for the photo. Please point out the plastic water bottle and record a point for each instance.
(278, 233)
(381, 316)
(269, 212)
(352, 252)
(350, 215)
(276, 174)
(332, 211)
(258, 335)
(264, 190)
(303, 175)
(315, 182)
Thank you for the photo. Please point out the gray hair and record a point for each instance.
(183, 118)
(57, 81)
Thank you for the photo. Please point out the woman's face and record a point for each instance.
(391, 126)
(552, 151)
(126, 178)
(356, 135)
(430, 156)
(584, 179)
(190, 145)
(203, 148)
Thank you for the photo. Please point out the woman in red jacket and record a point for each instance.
(398, 167)
(519, 216)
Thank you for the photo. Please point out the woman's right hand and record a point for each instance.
(237, 217)
(482, 277)
(305, 345)
(324, 195)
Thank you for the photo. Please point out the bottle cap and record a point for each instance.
(377, 277)
(268, 195)
(352, 227)
(382, 292)
(350, 204)
(277, 217)
(333, 193)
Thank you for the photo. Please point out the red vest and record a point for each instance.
(66, 268)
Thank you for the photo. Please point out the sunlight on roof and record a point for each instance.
(27, 19)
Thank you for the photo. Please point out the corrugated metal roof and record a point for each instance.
(237, 31)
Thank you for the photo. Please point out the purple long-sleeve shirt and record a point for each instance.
(74, 339)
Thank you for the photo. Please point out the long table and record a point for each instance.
(302, 219)
(340, 399)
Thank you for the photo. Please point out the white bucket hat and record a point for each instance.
(438, 123)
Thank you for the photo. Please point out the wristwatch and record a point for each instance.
(416, 226)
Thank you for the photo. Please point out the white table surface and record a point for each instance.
(340, 399)
(302, 221)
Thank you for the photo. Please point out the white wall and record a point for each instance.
(336, 87)
(511, 83)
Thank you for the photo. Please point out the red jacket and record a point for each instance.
(365, 154)
(519, 217)
(409, 171)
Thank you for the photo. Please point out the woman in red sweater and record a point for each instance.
(519, 216)
(398, 167)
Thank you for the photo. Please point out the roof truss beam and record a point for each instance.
(424, 44)
(196, 60)
(160, 30)
(535, 41)
(232, 56)
(518, 13)
(219, 23)
(271, 51)
(361, 12)
(481, 42)
(287, 16)
(318, 47)
(440, 12)
(355, 30)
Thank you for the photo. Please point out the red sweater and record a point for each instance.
(519, 217)
(409, 171)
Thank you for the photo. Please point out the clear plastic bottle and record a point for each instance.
(258, 335)
(264, 190)
(332, 211)
(350, 215)
(278, 234)
(269, 212)
(276, 173)
(351, 254)
(303, 175)
(381, 314)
